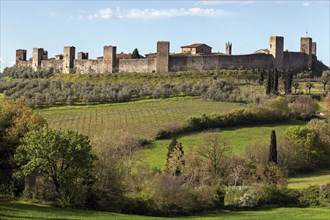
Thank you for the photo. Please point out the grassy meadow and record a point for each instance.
(320, 177)
(237, 138)
(18, 210)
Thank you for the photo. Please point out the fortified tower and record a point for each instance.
(82, 56)
(20, 55)
(314, 48)
(228, 48)
(276, 49)
(306, 47)
(163, 52)
(109, 59)
(37, 56)
(45, 55)
(68, 58)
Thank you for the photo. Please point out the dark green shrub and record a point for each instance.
(310, 196)
(325, 195)
(281, 196)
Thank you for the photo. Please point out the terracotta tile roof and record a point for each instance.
(123, 55)
(195, 45)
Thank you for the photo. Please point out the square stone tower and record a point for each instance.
(109, 59)
(20, 55)
(228, 48)
(276, 49)
(306, 47)
(37, 56)
(68, 58)
(82, 56)
(163, 53)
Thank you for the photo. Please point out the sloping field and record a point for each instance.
(140, 118)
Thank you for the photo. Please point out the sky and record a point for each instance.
(90, 25)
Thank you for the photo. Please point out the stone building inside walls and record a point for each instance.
(192, 57)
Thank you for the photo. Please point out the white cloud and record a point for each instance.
(150, 13)
(215, 2)
(306, 4)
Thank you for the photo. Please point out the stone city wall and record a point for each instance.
(56, 65)
(213, 62)
(137, 65)
(88, 66)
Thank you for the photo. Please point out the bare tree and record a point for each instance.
(213, 151)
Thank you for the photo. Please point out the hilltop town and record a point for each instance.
(193, 57)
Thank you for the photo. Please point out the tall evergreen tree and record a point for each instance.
(288, 79)
(275, 82)
(261, 76)
(174, 160)
(273, 148)
(269, 82)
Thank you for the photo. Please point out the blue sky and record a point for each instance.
(89, 25)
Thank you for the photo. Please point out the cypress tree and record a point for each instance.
(174, 160)
(275, 82)
(273, 148)
(288, 82)
(261, 76)
(269, 82)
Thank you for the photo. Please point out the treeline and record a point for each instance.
(107, 173)
(47, 92)
(267, 111)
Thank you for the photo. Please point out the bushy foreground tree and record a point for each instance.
(64, 156)
(16, 119)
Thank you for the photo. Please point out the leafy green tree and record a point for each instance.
(16, 119)
(309, 150)
(135, 54)
(273, 148)
(64, 156)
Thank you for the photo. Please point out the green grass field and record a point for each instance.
(141, 118)
(237, 138)
(316, 178)
(15, 210)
